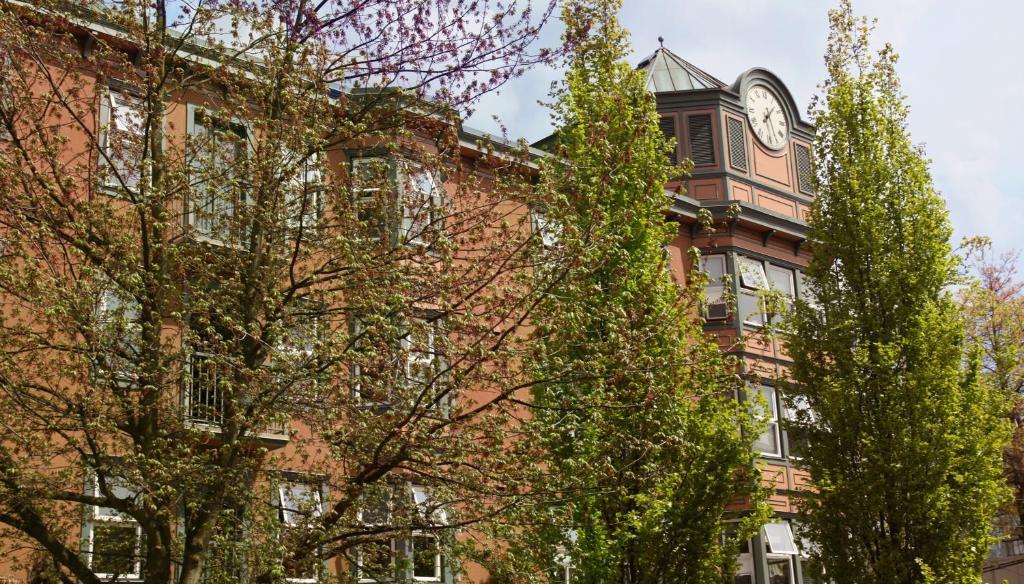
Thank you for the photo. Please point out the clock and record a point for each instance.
(766, 117)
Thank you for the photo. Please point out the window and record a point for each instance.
(299, 503)
(426, 558)
(371, 189)
(305, 194)
(375, 560)
(798, 410)
(745, 561)
(420, 550)
(549, 230)
(753, 283)
(118, 318)
(122, 136)
(113, 542)
(561, 571)
(406, 210)
(781, 549)
(421, 205)
(769, 442)
(218, 153)
(757, 278)
(415, 375)
(422, 363)
(716, 306)
(7, 111)
(205, 398)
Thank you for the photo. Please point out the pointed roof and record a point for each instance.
(667, 71)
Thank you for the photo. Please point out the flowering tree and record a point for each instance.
(994, 312)
(261, 300)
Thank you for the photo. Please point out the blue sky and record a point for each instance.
(959, 67)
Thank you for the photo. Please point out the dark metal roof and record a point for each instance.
(667, 71)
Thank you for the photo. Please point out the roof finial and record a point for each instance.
(661, 41)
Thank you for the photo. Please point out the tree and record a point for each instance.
(993, 307)
(242, 304)
(905, 435)
(635, 410)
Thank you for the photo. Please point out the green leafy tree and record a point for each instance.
(646, 446)
(905, 436)
(243, 302)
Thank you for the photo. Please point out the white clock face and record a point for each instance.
(766, 116)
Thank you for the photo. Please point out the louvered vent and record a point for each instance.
(737, 145)
(702, 144)
(668, 128)
(804, 172)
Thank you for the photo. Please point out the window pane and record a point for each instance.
(426, 559)
(752, 274)
(780, 571)
(714, 266)
(299, 501)
(780, 538)
(114, 548)
(120, 491)
(768, 441)
(781, 279)
(750, 307)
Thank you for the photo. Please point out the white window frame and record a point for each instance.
(417, 228)
(773, 418)
(715, 289)
(438, 557)
(284, 488)
(94, 517)
(130, 121)
(778, 537)
(207, 233)
(109, 303)
(753, 283)
(392, 542)
(549, 230)
(6, 92)
(305, 187)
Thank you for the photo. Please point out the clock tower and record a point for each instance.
(751, 155)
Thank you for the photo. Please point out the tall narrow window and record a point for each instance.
(375, 560)
(218, 156)
(122, 136)
(421, 205)
(371, 195)
(305, 194)
(299, 504)
(716, 306)
(753, 283)
(781, 550)
(782, 282)
(113, 539)
(118, 319)
(769, 442)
